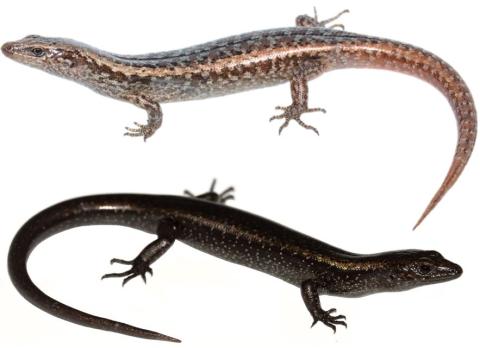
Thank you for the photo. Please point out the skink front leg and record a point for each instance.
(154, 121)
(310, 295)
(299, 106)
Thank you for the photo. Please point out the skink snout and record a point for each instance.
(455, 270)
(7, 48)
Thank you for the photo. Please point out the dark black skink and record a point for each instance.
(203, 222)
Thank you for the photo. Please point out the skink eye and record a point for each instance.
(37, 52)
(425, 269)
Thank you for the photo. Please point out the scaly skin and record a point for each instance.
(253, 60)
(230, 234)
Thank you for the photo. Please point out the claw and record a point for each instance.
(309, 21)
(329, 20)
(139, 268)
(339, 26)
(331, 326)
(120, 261)
(213, 196)
(316, 109)
(285, 124)
(339, 322)
(116, 275)
(227, 190)
(212, 185)
(132, 133)
(294, 112)
(226, 198)
(307, 126)
(142, 130)
(329, 320)
(130, 277)
(277, 117)
(188, 193)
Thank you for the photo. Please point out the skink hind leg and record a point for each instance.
(141, 264)
(310, 295)
(299, 106)
(155, 117)
(308, 21)
(140, 267)
(213, 196)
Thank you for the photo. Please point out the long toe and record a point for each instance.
(306, 126)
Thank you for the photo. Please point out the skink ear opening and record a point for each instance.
(68, 63)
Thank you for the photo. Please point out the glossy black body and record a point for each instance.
(232, 235)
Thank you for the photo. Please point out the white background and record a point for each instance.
(384, 148)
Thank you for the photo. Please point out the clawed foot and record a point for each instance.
(330, 320)
(329, 20)
(141, 130)
(139, 268)
(308, 21)
(294, 112)
(213, 196)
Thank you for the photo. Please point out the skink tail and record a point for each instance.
(40, 227)
(455, 170)
(389, 55)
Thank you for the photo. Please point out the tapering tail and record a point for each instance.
(371, 52)
(45, 224)
(449, 82)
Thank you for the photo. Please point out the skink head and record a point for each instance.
(57, 56)
(408, 269)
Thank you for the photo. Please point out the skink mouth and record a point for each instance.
(449, 271)
(7, 49)
(455, 270)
